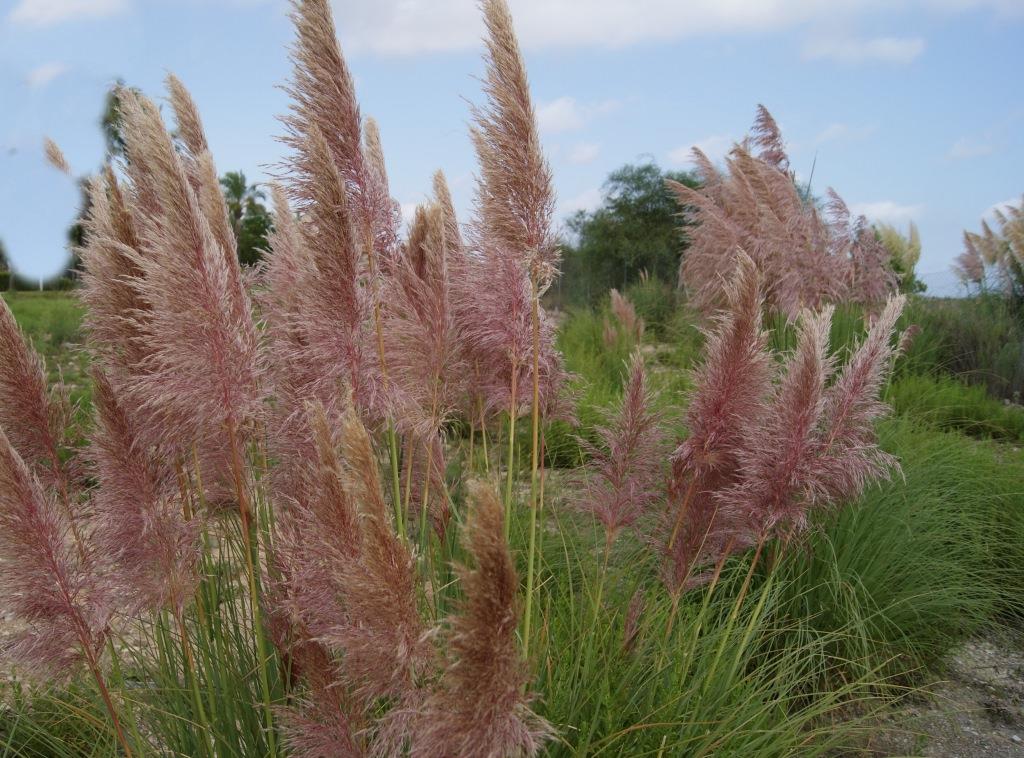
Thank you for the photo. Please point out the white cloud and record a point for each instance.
(403, 27)
(887, 210)
(566, 114)
(48, 12)
(965, 147)
(584, 152)
(877, 49)
(43, 75)
(715, 146)
(408, 212)
(839, 131)
(585, 201)
(1015, 202)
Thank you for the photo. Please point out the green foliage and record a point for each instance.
(948, 403)
(112, 122)
(922, 561)
(979, 339)
(904, 253)
(636, 229)
(599, 370)
(249, 218)
(655, 302)
(691, 680)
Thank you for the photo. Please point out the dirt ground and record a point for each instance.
(976, 710)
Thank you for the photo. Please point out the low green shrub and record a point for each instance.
(949, 403)
(979, 339)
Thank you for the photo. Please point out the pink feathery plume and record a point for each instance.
(493, 313)
(731, 388)
(452, 233)
(202, 172)
(480, 707)
(324, 101)
(515, 198)
(35, 418)
(768, 138)
(384, 642)
(804, 257)
(52, 589)
(201, 378)
(114, 308)
(294, 378)
(627, 322)
(421, 339)
(331, 319)
(514, 252)
(969, 265)
(386, 211)
(848, 456)
(318, 535)
(873, 279)
(140, 523)
(778, 485)
(626, 476)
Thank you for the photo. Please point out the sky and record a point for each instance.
(910, 109)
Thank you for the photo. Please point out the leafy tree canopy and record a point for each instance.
(637, 228)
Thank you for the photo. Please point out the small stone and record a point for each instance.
(1016, 738)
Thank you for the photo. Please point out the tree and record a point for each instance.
(904, 253)
(111, 122)
(249, 218)
(6, 275)
(636, 229)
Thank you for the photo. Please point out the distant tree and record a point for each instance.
(904, 252)
(636, 229)
(112, 122)
(250, 219)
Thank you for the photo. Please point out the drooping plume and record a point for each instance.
(51, 588)
(201, 378)
(479, 709)
(35, 419)
(140, 524)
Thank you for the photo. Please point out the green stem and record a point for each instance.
(534, 466)
(511, 448)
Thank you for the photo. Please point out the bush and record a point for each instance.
(948, 403)
(921, 561)
(979, 339)
(655, 303)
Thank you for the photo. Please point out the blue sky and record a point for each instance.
(914, 109)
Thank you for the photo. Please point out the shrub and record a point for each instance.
(978, 339)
